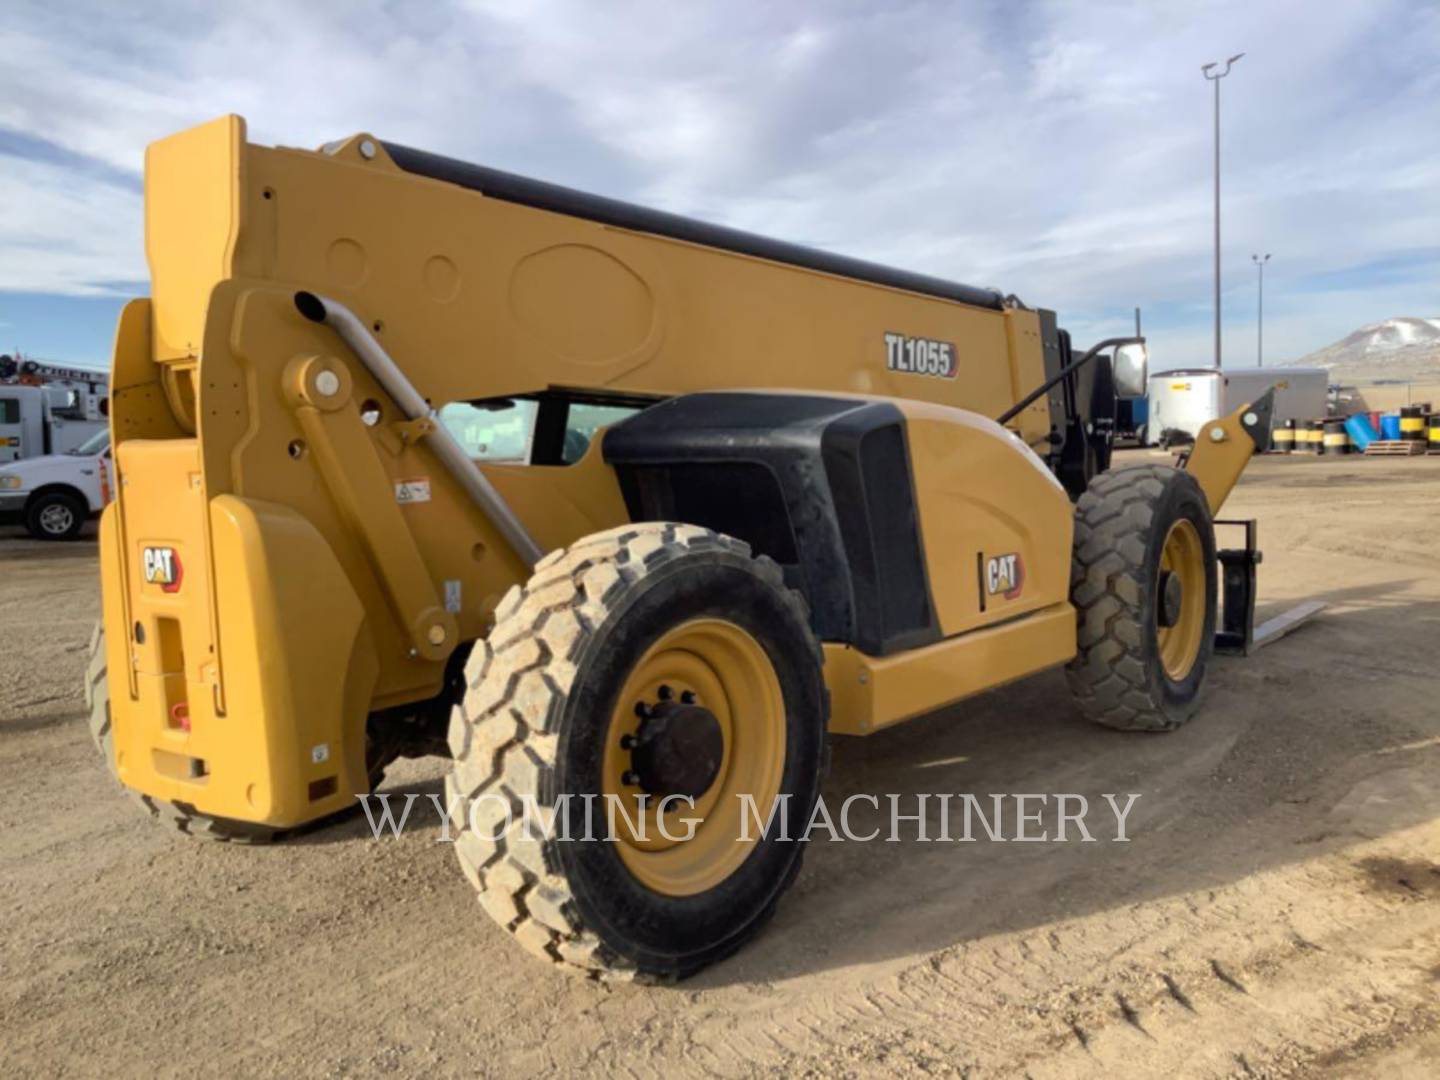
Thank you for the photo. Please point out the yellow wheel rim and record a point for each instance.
(728, 673)
(1184, 556)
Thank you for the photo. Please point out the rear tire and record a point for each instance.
(1135, 529)
(547, 690)
(56, 515)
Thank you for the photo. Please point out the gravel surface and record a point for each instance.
(1275, 912)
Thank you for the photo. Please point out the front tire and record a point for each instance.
(56, 515)
(643, 621)
(1143, 583)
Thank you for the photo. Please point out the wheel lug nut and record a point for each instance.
(687, 697)
(631, 778)
(642, 710)
(627, 742)
(666, 693)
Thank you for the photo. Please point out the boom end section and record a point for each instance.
(1224, 447)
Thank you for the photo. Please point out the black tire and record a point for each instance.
(1118, 676)
(179, 815)
(533, 723)
(56, 515)
(97, 697)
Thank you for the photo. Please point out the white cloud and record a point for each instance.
(71, 235)
(1056, 150)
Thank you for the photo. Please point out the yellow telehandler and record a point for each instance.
(610, 506)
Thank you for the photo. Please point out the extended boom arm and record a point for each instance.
(1225, 446)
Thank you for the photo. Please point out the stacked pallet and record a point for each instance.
(1396, 448)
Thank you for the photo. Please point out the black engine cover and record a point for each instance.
(821, 485)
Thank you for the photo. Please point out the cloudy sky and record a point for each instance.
(1060, 151)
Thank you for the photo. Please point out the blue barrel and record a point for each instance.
(1390, 426)
(1361, 432)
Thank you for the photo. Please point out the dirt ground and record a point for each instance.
(1276, 911)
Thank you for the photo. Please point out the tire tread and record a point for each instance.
(504, 734)
(1109, 676)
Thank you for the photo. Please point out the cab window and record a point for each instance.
(583, 420)
(99, 443)
(548, 429)
(497, 431)
(9, 410)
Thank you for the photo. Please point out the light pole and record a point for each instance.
(1260, 261)
(1205, 70)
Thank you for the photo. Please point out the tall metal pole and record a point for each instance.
(1260, 311)
(1217, 223)
(1205, 70)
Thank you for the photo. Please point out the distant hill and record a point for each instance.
(1406, 348)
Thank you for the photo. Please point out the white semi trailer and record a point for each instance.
(1183, 401)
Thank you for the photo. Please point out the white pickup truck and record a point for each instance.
(54, 495)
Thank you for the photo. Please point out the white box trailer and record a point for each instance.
(1183, 401)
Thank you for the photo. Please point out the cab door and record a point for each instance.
(9, 428)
